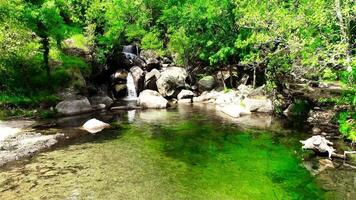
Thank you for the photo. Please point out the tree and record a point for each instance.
(44, 19)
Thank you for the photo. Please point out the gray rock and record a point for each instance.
(171, 79)
(151, 99)
(25, 144)
(260, 91)
(151, 79)
(184, 101)
(233, 110)
(185, 94)
(147, 54)
(152, 63)
(120, 87)
(258, 105)
(288, 111)
(72, 107)
(206, 83)
(227, 98)
(138, 76)
(316, 130)
(119, 75)
(245, 90)
(96, 100)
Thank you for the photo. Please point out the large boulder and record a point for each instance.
(171, 79)
(206, 83)
(120, 90)
(151, 99)
(138, 76)
(258, 105)
(151, 79)
(97, 100)
(77, 80)
(72, 107)
(152, 63)
(227, 98)
(119, 76)
(245, 90)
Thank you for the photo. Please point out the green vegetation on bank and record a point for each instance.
(48, 45)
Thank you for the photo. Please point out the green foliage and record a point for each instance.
(329, 75)
(151, 41)
(347, 125)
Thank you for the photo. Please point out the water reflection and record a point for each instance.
(131, 115)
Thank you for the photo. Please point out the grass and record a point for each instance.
(27, 106)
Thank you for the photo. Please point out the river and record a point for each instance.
(191, 152)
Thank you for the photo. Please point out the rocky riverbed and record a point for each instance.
(18, 140)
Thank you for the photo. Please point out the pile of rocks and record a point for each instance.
(236, 103)
(159, 84)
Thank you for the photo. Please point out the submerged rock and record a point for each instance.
(151, 99)
(25, 144)
(319, 144)
(94, 126)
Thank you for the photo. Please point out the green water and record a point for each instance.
(187, 154)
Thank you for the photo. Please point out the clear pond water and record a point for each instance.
(184, 153)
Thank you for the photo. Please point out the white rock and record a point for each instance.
(227, 98)
(318, 143)
(152, 99)
(94, 126)
(233, 110)
(185, 94)
(184, 101)
(258, 105)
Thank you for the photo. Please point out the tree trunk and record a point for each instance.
(45, 46)
(231, 78)
(254, 77)
(222, 79)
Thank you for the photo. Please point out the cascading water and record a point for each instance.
(131, 89)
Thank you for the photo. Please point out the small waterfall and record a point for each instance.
(131, 89)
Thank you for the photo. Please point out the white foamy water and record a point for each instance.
(131, 89)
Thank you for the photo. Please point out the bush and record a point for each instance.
(329, 75)
(347, 125)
